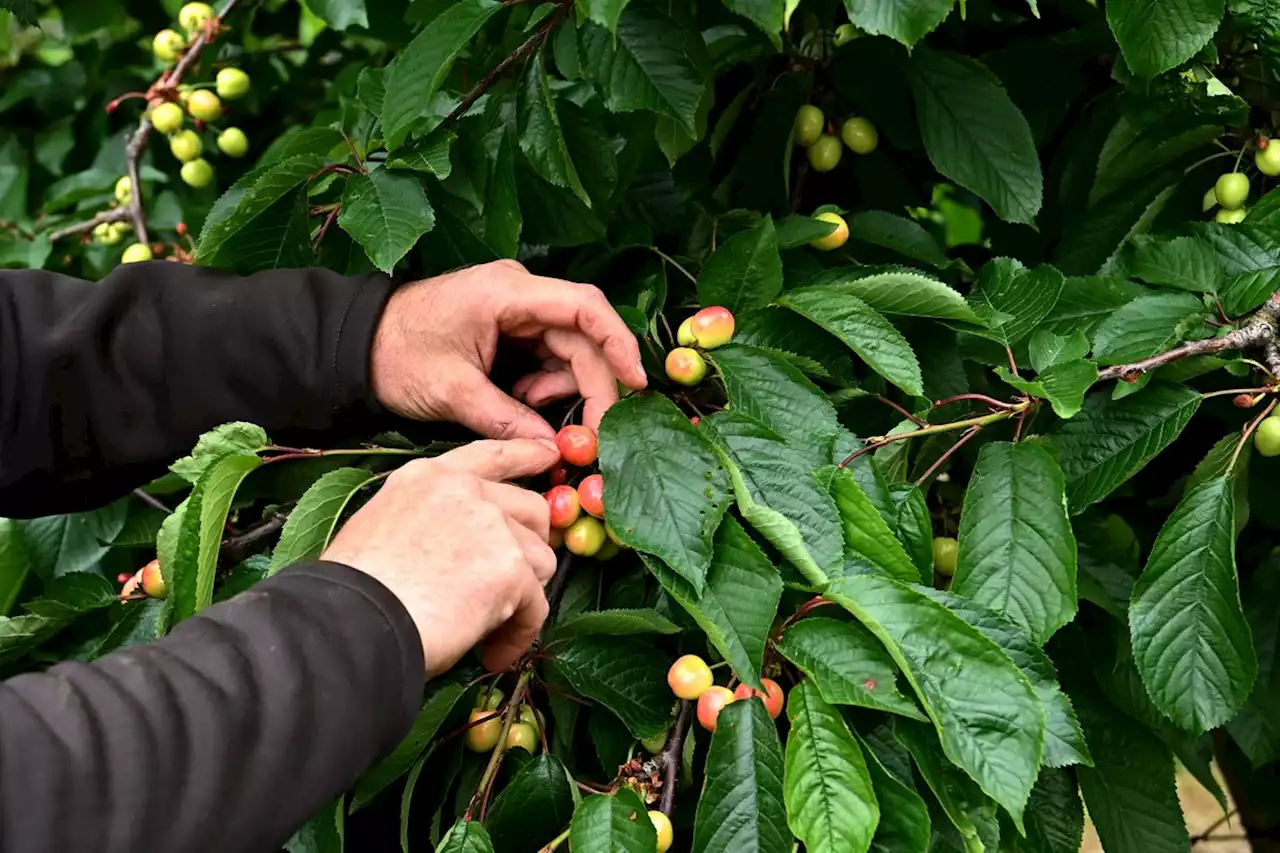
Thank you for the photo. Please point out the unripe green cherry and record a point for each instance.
(945, 550)
(585, 537)
(860, 135)
(186, 146)
(1210, 200)
(808, 125)
(119, 229)
(712, 327)
(124, 190)
(1268, 160)
(490, 699)
(845, 33)
(824, 155)
(105, 235)
(204, 105)
(836, 238)
(135, 253)
(653, 745)
(522, 736)
(232, 83)
(483, 737)
(686, 366)
(167, 117)
(193, 16)
(1267, 437)
(198, 173)
(168, 45)
(684, 334)
(1230, 217)
(233, 142)
(1232, 190)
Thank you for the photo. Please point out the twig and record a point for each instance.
(674, 263)
(883, 399)
(518, 55)
(972, 431)
(150, 501)
(564, 836)
(235, 547)
(481, 796)
(558, 582)
(980, 398)
(115, 214)
(1209, 830)
(934, 429)
(670, 757)
(1248, 431)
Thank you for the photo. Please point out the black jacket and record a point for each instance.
(234, 729)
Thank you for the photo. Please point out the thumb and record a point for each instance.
(500, 461)
(485, 409)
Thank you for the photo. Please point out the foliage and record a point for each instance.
(1033, 333)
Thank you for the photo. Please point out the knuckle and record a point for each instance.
(510, 264)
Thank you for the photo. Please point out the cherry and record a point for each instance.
(824, 155)
(153, 580)
(186, 146)
(1210, 200)
(490, 699)
(686, 366)
(808, 125)
(591, 495)
(168, 45)
(556, 539)
(233, 142)
(585, 537)
(689, 677)
(232, 83)
(1232, 190)
(135, 253)
(1267, 437)
(695, 420)
(710, 705)
(204, 105)
(684, 334)
(607, 551)
(654, 745)
(662, 825)
(124, 190)
(613, 536)
(559, 476)
(483, 737)
(564, 505)
(844, 34)
(1267, 159)
(577, 445)
(712, 327)
(945, 549)
(836, 238)
(522, 736)
(1240, 401)
(530, 716)
(198, 173)
(860, 135)
(1230, 217)
(105, 235)
(773, 696)
(167, 117)
(193, 16)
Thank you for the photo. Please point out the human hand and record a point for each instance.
(438, 338)
(464, 551)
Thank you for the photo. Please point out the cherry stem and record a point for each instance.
(1248, 431)
(934, 429)
(483, 789)
(915, 420)
(675, 264)
(980, 398)
(951, 450)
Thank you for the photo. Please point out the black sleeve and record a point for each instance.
(227, 735)
(102, 384)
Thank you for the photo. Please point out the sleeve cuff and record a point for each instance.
(352, 354)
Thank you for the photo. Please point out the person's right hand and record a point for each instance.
(464, 551)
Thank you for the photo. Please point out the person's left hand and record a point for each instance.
(438, 338)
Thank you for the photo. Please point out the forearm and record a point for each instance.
(102, 384)
(226, 735)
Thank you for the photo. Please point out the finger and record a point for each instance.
(505, 646)
(550, 303)
(536, 550)
(485, 409)
(526, 508)
(502, 460)
(591, 372)
(548, 386)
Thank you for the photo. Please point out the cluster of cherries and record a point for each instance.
(858, 134)
(709, 328)
(691, 678)
(584, 535)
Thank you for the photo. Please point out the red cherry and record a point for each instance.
(591, 495)
(710, 703)
(559, 476)
(695, 420)
(577, 445)
(563, 502)
(772, 696)
(712, 327)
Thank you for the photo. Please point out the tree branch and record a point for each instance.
(670, 757)
(234, 548)
(115, 214)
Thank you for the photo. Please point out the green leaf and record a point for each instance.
(430, 154)
(1148, 325)
(842, 313)
(831, 805)
(503, 216)
(745, 272)
(1055, 816)
(617, 823)
(541, 137)
(898, 290)
(616, 623)
(911, 523)
(626, 675)
(1110, 441)
(771, 390)
(314, 519)
(847, 664)
(808, 347)
(905, 22)
(869, 543)
(899, 234)
(741, 807)
(974, 133)
(323, 833)
(1047, 349)
(340, 14)
(14, 564)
(234, 437)
(1156, 35)
(798, 230)
(668, 489)
(1191, 642)
(21, 634)
(1017, 552)
(737, 608)
(1013, 300)
(604, 12)
(768, 15)
(200, 535)
(254, 225)
(443, 698)
(1218, 463)
(971, 813)
(778, 494)
(990, 721)
(1256, 729)
(1086, 301)
(422, 67)
(466, 837)
(649, 65)
(1182, 262)
(1063, 385)
(385, 212)
(905, 826)
(1249, 257)
(62, 544)
(534, 807)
